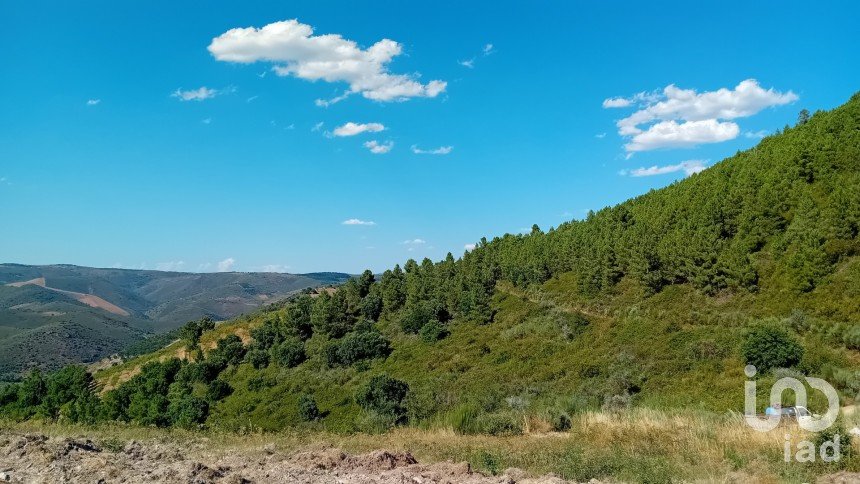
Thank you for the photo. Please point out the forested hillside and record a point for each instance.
(658, 301)
(52, 316)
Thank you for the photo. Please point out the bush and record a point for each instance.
(266, 335)
(769, 346)
(218, 390)
(229, 351)
(851, 339)
(385, 396)
(188, 411)
(362, 346)
(500, 423)
(259, 358)
(415, 317)
(290, 353)
(308, 410)
(464, 419)
(433, 331)
(559, 420)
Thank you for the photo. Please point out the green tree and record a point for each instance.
(308, 410)
(290, 353)
(769, 346)
(385, 396)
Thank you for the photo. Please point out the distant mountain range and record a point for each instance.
(54, 315)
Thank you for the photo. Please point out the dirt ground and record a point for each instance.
(36, 458)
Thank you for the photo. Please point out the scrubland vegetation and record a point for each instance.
(621, 337)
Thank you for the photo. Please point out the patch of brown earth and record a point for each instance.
(39, 459)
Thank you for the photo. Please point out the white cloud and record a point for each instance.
(700, 115)
(318, 126)
(470, 63)
(352, 129)
(251, 99)
(295, 51)
(469, 246)
(488, 49)
(442, 150)
(757, 134)
(414, 242)
(600, 135)
(199, 94)
(357, 221)
(616, 102)
(689, 167)
(171, 266)
(671, 134)
(226, 265)
(379, 148)
(93, 102)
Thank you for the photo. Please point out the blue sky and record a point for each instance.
(103, 161)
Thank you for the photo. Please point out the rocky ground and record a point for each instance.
(36, 458)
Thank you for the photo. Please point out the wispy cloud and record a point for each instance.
(679, 118)
(757, 134)
(207, 121)
(470, 63)
(442, 150)
(469, 246)
(378, 148)
(317, 126)
(358, 221)
(200, 94)
(93, 102)
(295, 51)
(414, 242)
(251, 99)
(600, 135)
(616, 102)
(226, 265)
(352, 129)
(170, 266)
(689, 167)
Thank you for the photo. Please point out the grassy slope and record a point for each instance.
(681, 345)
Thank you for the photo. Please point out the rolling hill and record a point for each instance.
(657, 303)
(651, 302)
(54, 315)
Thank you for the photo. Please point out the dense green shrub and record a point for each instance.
(289, 353)
(416, 316)
(769, 346)
(218, 390)
(364, 345)
(433, 331)
(308, 410)
(384, 395)
(229, 351)
(266, 335)
(187, 411)
(193, 330)
(259, 358)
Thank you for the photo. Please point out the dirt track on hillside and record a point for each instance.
(37, 458)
